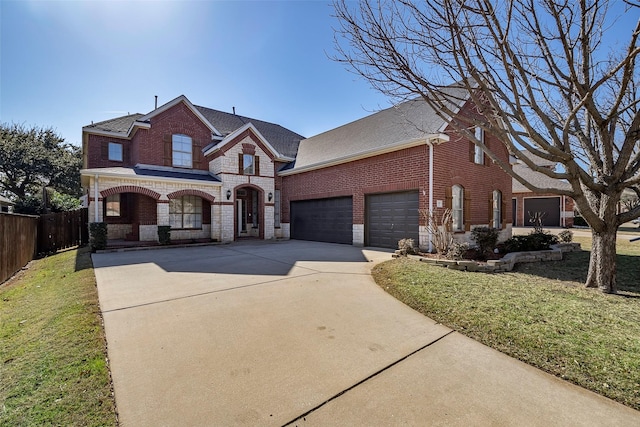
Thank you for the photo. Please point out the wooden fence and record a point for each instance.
(22, 237)
(18, 242)
(62, 230)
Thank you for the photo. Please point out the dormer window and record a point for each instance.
(182, 149)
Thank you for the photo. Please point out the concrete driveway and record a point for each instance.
(297, 333)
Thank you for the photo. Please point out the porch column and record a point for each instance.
(162, 215)
(216, 225)
(95, 201)
(227, 221)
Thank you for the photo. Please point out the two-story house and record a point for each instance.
(215, 175)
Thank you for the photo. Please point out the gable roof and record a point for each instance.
(222, 124)
(538, 179)
(117, 125)
(404, 125)
(283, 140)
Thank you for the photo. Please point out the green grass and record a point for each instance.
(53, 369)
(540, 314)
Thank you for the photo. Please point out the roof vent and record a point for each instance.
(234, 110)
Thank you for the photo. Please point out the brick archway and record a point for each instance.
(260, 209)
(199, 193)
(130, 189)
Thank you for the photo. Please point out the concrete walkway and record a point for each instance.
(297, 333)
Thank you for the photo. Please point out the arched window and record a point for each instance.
(497, 209)
(457, 207)
(182, 151)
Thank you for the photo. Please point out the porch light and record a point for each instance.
(270, 196)
(228, 194)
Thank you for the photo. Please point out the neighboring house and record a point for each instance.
(215, 175)
(6, 205)
(559, 209)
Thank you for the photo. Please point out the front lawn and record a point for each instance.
(53, 367)
(539, 313)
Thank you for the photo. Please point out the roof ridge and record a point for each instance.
(115, 118)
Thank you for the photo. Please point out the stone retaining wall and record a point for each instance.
(507, 262)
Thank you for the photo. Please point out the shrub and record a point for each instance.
(530, 242)
(458, 250)
(486, 238)
(438, 224)
(565, 236)
(98, 236)
(164, 234)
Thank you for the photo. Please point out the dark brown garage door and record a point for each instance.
(323, 220)
(550, 205)
(391, 217)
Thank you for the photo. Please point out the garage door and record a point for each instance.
(323, 220)
(391, 217)
(550, 205)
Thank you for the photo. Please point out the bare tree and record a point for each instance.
(547, 76)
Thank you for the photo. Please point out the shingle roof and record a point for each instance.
(119, 124)
(154, 172)
(405, 122)
(282, 139)
(536, 178)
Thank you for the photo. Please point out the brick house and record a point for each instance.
(559, 210)
(215, 175)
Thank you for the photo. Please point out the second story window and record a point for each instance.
(478, 158)
(182, 150)
(248, 164)
(115, 151)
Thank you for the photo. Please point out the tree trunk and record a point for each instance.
(602, 263)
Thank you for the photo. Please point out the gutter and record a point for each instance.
(430, 225)
(430, 139)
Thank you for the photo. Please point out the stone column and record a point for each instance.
(227, 229)
(215, 222)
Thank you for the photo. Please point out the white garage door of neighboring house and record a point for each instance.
(391, 217)
(550, 205)
(323, 220)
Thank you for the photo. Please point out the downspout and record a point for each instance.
(430, 225)
(562, 212)
(95, 199)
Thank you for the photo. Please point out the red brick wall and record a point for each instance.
(147, 146)
(97, 153)
(401, 170)
(408, 169)
(454, 165)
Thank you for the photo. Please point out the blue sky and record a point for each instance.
(67, 63)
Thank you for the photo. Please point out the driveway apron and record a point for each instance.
(297, 333)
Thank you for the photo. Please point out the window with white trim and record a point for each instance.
(182, 149)
(185, 212)
(497, 209)
(248, 164)
(112, 205)
(478, 157)
(115, 151)
(457, 207)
